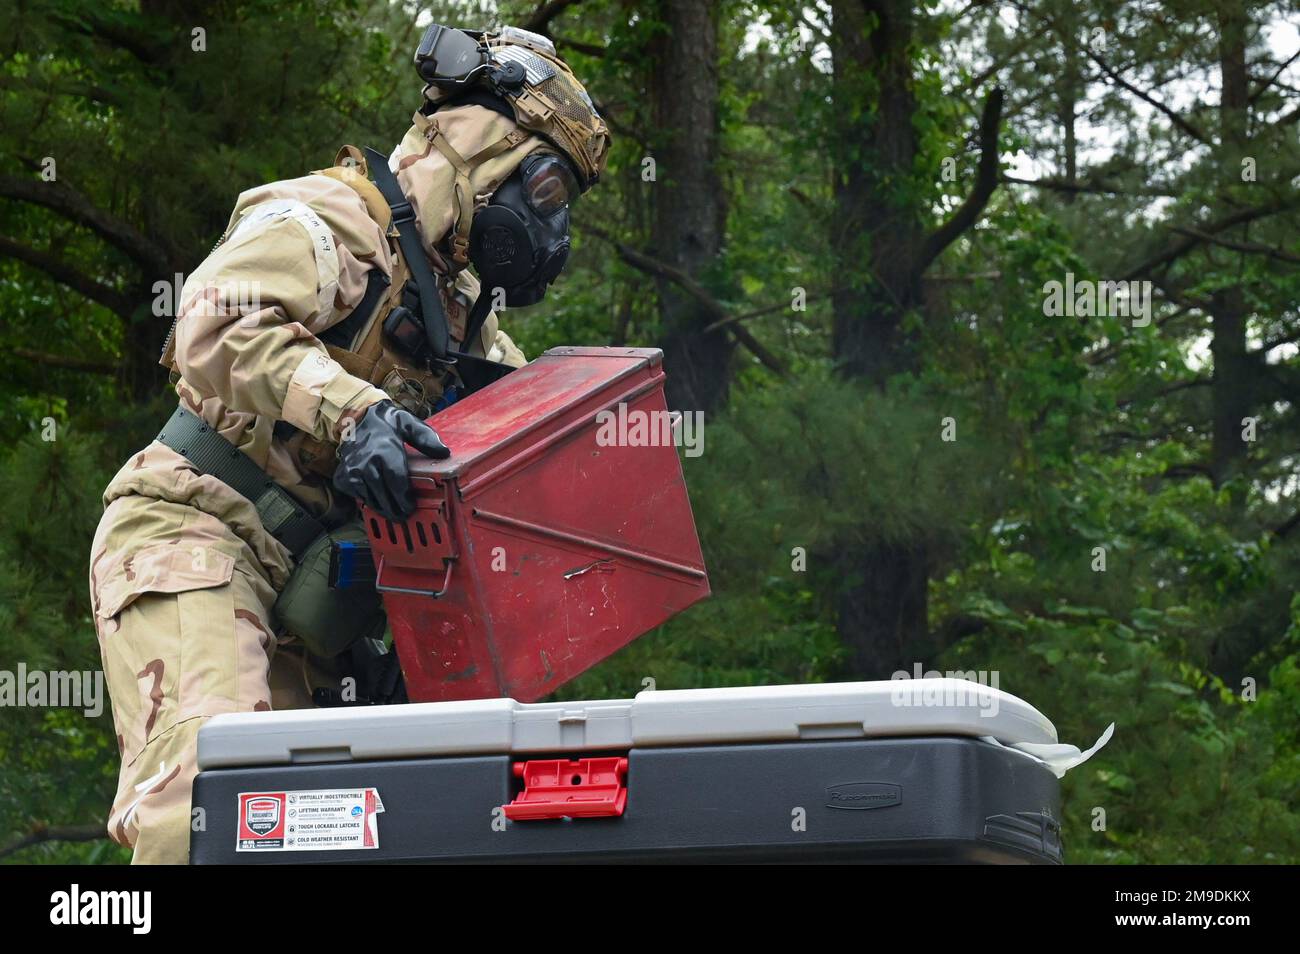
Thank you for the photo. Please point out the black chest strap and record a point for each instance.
(408, 237)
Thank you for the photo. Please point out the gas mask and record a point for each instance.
(519, 241)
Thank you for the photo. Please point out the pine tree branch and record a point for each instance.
(986, 181)
(115, 34)
(586, 49)
(1174, 117)
(1200, 382)
(66, 362)
(769, 309)
(42, 833)
(716, 310)
(1177, 249)
(1266, 346)
(540, 21)
(1100, 188)
(63, 273)
(984, 75)
(1250, 247)
(1263, 87)
(37, 84)
(1178, 120)
(70, 204)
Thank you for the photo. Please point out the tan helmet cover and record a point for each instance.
(552, 103)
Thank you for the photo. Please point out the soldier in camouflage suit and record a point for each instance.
(183, 576)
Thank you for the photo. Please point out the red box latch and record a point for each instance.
(560, 788)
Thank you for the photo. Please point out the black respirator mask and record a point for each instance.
(519, 241)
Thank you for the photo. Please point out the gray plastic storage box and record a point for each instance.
(909, 770)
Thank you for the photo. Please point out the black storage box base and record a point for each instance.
(946, 799)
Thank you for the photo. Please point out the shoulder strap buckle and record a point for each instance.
(460, 249)
(403, 212)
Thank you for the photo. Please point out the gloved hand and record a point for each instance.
(372, 463)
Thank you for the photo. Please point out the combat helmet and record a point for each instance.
(521, 70)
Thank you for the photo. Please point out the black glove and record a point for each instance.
(372, 463)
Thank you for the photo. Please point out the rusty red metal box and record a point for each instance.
(541, 545)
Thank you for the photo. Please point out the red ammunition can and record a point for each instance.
(558, 531)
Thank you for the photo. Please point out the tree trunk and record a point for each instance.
(1232, 389)
(1068, 102)
(689, 203)
(882, 608)
(883, 613)
(878, 239)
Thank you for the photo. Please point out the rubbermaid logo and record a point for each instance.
(860, 796)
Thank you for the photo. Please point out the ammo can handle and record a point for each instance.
(411, 590)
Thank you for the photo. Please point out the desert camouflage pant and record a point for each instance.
(183, 615)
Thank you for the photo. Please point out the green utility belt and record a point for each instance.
(281, 514)
(329, 601)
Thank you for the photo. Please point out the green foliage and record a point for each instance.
(60, 764)
(769, 637)
(1077, 439)
(1185, 746)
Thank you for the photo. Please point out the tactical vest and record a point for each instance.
(357, 342)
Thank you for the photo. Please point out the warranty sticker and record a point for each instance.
(326, 819)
